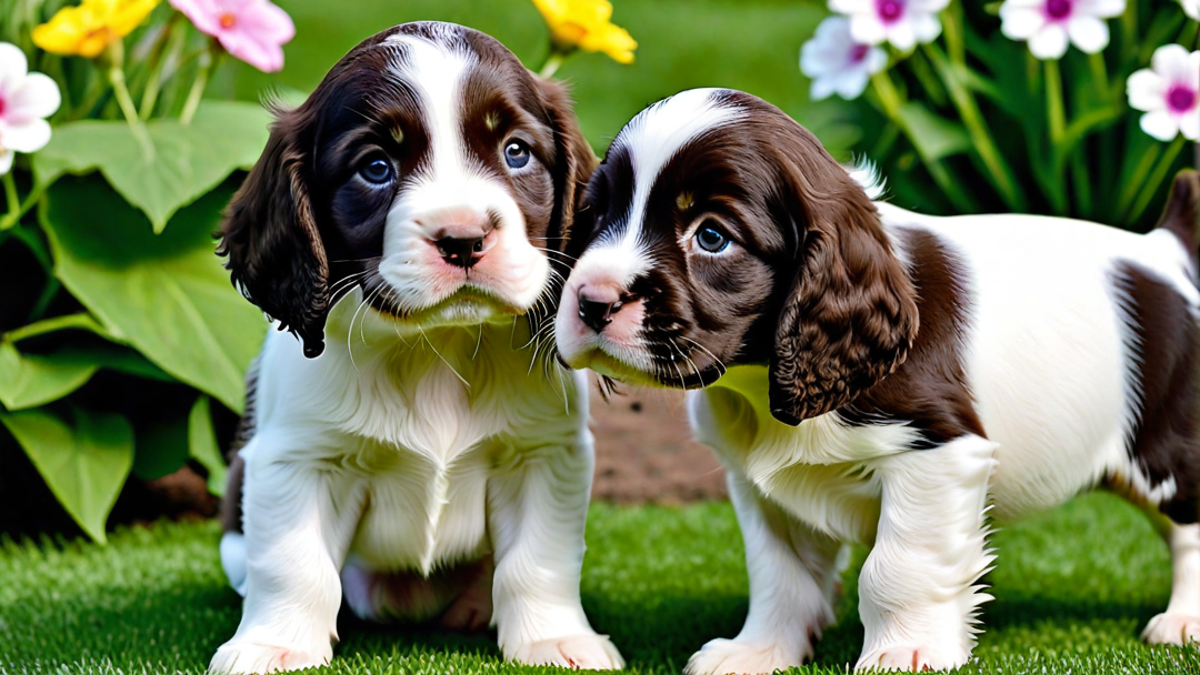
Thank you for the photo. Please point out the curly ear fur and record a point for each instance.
(275, 255)
(574, 160)
(850, 315)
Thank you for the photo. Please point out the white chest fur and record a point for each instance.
(406, 427)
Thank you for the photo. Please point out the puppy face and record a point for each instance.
(719, 232)
(429, 168)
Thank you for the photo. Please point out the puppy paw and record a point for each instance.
(735, 657)
(1172, 629)
(586, 651)
(910, 658)
(470, 612)
(250, 657)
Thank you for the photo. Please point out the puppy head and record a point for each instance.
(429, 168)
(719, 232)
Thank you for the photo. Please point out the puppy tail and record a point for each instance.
(1182, 213)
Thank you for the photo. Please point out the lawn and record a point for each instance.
(1074, 587)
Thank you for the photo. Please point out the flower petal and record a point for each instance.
(867, 29)
(6, 161)
(926, 27)
(1104, 9)
(1171, 62)
(13, 67)
(1191, 8)
(875, 60)
(263, 56)
(851, 84)
(1160, 124)
(1049, 43)
(1189, 125)
(267, 21)
(851, 6)
(28, 136)
(1146, 90)
(1088, 33)
(37, 97)
(821, 88)
(900, 34)
(1020, 23)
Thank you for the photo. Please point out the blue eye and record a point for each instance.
(516, 154)
(712, 239)
(377, 171)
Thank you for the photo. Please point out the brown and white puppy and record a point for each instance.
(876, 375)
(414, 450)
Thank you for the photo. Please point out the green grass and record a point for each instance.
(1074, 589)
(753, 45)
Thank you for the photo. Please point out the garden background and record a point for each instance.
(1074, 587)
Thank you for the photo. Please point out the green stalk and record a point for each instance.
(968, 111)
(1054, 102)
(553, 60)
(1099, 75)
(1129, 32)
(1143, 167)
(116, 76)
(154, 69)
(208, 61)
(11, 196)
(82, 320)
(1156, 178)
(13, 217)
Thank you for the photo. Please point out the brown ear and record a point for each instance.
(276, 258)
(574, 159)
(850, 315)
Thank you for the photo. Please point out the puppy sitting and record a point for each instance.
(431, 462)
(875, 375)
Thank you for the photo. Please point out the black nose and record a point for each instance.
(597, 314)
(461, 252)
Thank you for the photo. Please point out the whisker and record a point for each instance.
(439, 355)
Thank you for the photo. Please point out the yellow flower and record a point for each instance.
(587, 25)
(88, 29)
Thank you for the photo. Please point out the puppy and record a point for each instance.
(876, 375)
(413, 450)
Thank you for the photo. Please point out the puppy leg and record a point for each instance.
(537, 511)
(1180, 624)
(917, 593)
(792, 580)
(295, 541)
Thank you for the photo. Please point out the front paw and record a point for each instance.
(735, 657)
(237, 656)
(586, 651)
(1172, 629)
(911, 658)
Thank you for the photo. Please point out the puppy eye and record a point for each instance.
(376, 170)
(516, 154)
(712, 239)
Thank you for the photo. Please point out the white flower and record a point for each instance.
(836, 63)
(25, 99)
(903, 23)
(1049, 24)
(1191, 8)
(1169, 92)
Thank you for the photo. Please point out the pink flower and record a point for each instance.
(252, 30)
(1169, 93)
(25, 98)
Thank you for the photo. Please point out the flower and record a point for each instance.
(86, 30)
(838, 64)
(1047, 24)
(903, 23)
(1191, 8)
(1169, 92)
(586, 25)
(252, 30)
(25, 99)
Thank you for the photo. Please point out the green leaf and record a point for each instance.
(934, 136)
(168, 295)
(84, 461)
(30, 380)
(188, 160)
(202, 444)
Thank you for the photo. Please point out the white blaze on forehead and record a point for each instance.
(652, 139)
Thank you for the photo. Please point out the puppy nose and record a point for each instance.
(597, 305)
(460, 252)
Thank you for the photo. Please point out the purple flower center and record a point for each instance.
(1057, 10)
(1180, 99)
(1, 107)
(889, 11)
(858, 53)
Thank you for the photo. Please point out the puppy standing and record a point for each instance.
(887, 372)
(421, 181)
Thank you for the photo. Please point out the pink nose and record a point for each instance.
(460, 234)
(598, 303)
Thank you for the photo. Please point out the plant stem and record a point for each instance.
(1054, 102)
(1156, 178)
(81, 320)
(11, 196)
(553, 60)
(968, 111)
(198, 86)
(13, 217)
(1099, 75)
(1144, 165)
(116, 76)
(154, 77)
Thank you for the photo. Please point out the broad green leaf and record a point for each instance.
(202, 443)
(934, 136)
(188, 161)
(168, 295)
(85, 460)
(30, 380)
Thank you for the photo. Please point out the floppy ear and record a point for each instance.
(850, 315)
(276, 258)
(574, 160)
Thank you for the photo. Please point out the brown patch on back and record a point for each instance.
(1166, 441)
(1182, 213)
(231, 504)
(930, 390)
